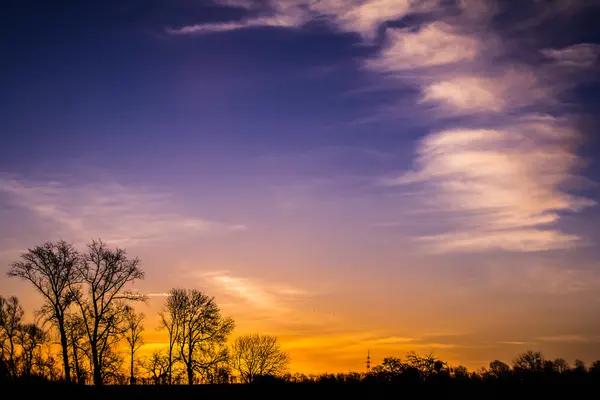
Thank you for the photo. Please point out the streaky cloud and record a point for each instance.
(469, 94)
(497, 179)
(499, 174)
(200, 29)
(506, 182)
(119, 214)
(435, 44)
(362, 17)
(261, 295)
(582, 55)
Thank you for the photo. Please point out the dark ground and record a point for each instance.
(302, 391)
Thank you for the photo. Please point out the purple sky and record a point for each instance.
(383, 174)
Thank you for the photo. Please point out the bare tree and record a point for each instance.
(76, 340)
(529, 361)
(101, 298)
(580, 366)
(31, 338)
(51, 268)
(499, 368)
(391, 368)
(561, 365)
(170, 321)
(427, 364)
(461, 372)
(201, 330)
(11, 314)
(157, 365)
(46, 365)
(258, 355)
(134, 328)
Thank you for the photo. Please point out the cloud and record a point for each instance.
(541, 279)
(582, 55)
(261, 295)
(363, 17)
(163, 294)
(345, 342)
(366, 17)
(275, 14)
(198, 29)
(116, 213)
(474, 94)
(392, 340)
(566, 338)
(507, 183)
(435, 44)
(499, 177)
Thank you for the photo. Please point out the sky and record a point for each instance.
(350, 176)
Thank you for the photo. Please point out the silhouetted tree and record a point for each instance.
(218, 374)
(76, 334)
(100, 296)
(31, 338)
(134, 328)
(390, 369)
(461, 372)
(258, 355)
(530, 361)
(170, 321)
(427, 365)
(561, 365)
(202, 330)
(157, 366)
(11, 314)
(595, 369)
(580, 367)
(499, 368)
(46, 365)
(112, 366)
(51, 268)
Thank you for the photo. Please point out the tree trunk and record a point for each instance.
(96, 365)
(76, 360)
(170, 367)
(131, 377)
(190, 374)
(12, 365)
(65, 349)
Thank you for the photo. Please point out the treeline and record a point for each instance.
(87, 332)
(88, 315)
(530, 366)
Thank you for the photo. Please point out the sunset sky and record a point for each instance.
(383, 175)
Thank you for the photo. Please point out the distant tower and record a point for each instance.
(368, 361)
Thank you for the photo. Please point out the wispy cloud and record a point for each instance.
(349, 342)
(582, 55)
(498, 177)
(500, 180)
(435, 44)
(116, 213)
(516, 343)
(507, 183)
(469, 94)
(541, 279)
(567, 338)
(363, 17)
(163, 294)
(198, 29)
(263, 296)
